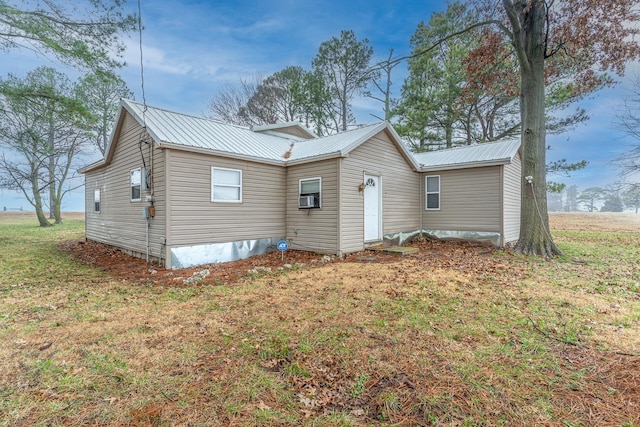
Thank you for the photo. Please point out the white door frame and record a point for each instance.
(377, 179)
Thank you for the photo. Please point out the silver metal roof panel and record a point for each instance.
(485, 154)
(339, 144)
(177, 129)
(182, 131)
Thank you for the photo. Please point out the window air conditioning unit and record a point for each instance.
(307, 202)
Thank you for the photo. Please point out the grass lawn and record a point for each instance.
(475, 337)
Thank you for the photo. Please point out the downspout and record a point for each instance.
(151, 208)
(167, 208)
(339, 204)
(422, 201)
(502, 206)
(147, 210)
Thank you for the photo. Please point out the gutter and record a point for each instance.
(468, 165)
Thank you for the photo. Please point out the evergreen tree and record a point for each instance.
(345, 66)
(612, 203)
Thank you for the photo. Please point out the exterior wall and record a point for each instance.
(317, 229)
(120, 222)
(194, 219)
(293, 130)
(511, 199)
(470, 200)
(400, 191)
(485, 199)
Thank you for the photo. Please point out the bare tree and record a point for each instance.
(383, 86)
(230, 102)
(629, 122)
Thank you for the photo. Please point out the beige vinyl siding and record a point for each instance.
(294, 131)
(316, 228)
(469, 200)
(511, 200)
(195, 219)
(400, 191)
(120, 222)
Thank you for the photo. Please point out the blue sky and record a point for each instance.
(191, 48)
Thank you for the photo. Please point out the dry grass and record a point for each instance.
(455, 335)
(11, 216)
(595, 221)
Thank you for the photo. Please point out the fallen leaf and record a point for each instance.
(45, 346)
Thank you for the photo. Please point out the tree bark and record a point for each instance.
(529, 42)
(51, 165)
(37, 200)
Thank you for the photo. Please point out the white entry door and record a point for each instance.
(372, 205)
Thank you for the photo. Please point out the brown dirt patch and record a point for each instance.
(444, 254)
(126, 268)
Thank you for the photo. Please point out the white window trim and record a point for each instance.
(317, 178)
(427, 193)
(97, 192)
(131, 185)
(226, 185)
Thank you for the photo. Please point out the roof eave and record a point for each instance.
(276, 126)
(466, 165)
(403, 148)
(92, 166)
(141, 121)
(394, 136)
(316, 158)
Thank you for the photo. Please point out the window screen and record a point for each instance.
(433, 192)
(226, 185)
(96, 200)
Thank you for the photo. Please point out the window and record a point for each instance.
(309, 192)
(136, 185)
(226, 185)
(433, 192)
(96, 200)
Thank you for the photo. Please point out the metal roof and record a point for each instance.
(176, 129)
(468, 156)
(339, 144)
(182, 131)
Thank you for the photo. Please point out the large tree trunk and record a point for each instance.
(37, 200)
(57, 212)
(52, 170)
(535, 237)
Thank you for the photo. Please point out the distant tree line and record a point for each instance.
(613, 198)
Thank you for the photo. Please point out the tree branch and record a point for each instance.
(379, 66)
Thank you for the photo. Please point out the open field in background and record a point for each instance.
(595, 221)
(455, 335)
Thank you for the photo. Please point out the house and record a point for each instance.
(185, 190)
